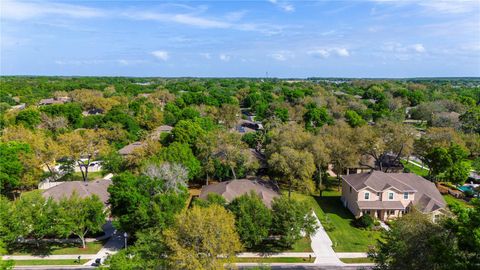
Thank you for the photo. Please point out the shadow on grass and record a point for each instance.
(333, 205)
(42, 249)
(269, 246)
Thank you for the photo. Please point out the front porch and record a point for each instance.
(381, 210)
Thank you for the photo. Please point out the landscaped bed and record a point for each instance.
(50, 262)
(345, 237)
(58, 249)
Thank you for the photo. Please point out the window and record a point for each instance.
(405, 195)
(367, 195)
(350, 189)
(390, 195)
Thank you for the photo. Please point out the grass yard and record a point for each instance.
(58, 249)
(452, 200)
(414, 169)
(50, 262)
(77, 176)
(356, 260)
(345, 237)
(274, 260)
(302, 245)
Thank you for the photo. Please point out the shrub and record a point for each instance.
(376, 223)
(365, 221)
(328, 224)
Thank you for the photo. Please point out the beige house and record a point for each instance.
(389, 195)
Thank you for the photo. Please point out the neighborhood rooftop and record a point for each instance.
(83, 190)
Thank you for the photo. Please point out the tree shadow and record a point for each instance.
(333, 205)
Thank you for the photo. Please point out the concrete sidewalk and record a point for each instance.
(276, 255)
(352, 255)
(48, 257)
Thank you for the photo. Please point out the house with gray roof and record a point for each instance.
(81, 188)
(390, 195)
(129, 149)
(232, 189)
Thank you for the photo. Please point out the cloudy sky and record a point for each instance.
(241, 38)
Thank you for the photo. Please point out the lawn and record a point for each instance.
(345, 237)
(356, 260)
(77, 176)
(50, 262)
(414, 169)
(58, 249)
(302, 245)
(452, 200)
(274, 260)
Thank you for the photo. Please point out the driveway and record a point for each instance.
(322, 247)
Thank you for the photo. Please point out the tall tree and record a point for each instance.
(202, 238)
(233, 153)
(252, 219)
(83, 147)
(81, 216)
(295, 168)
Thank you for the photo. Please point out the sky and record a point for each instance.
(271, 38)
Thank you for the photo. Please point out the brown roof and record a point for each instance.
(155, 134)
(83, 190)
(427, 196)
(128, 149)
(235, 188)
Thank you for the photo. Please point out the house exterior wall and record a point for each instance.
(349, 198)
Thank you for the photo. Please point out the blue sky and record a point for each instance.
(241, 38)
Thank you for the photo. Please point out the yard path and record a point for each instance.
(322, 247)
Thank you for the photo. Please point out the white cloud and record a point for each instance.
(285, 6)
(206, 55)
(16, 10)
(450, 6)
(161, 55)
(224, 57)
(400, 48)
(282, 55)
(327, 52)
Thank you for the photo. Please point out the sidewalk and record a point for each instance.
(276, 255)
(352, 254)
(322, 247)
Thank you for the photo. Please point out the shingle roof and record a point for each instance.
(83, 190)
(235, 188)
(427, 196)
(380, 205)
(128, 149)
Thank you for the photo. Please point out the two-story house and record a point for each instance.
(389, 195)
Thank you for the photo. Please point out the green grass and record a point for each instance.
(50, 262)
(415, 169)
(275, 260)
(57, 249)
(356, 260)
(452, 200)
(302, 245)
(77, 176)
(345, 237)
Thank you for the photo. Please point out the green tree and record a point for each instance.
(187, 131)
(37, 216)
(290, 219)
(182, 154)
(471, 120)
(354, 119)
(140, 202)
(316, 117)
(294, 167)
(81, 216)
(199, 236)
(252, 219)
(29, 118)
(5, 264)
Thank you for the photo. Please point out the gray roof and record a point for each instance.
(427, 196)
(128, 149)
(235, 188)
(155, 134)
(83, 190)
(380, 205)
